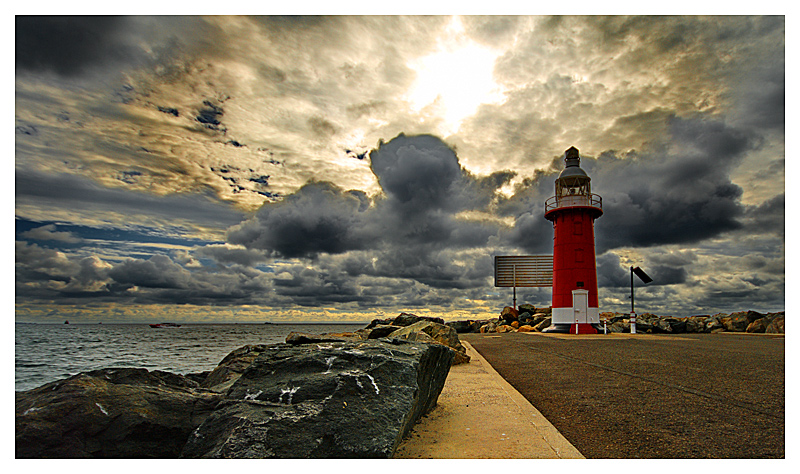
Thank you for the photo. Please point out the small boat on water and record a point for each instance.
(165, 325)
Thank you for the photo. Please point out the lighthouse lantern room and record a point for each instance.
(573, 210)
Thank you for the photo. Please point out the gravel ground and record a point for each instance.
(651, 396)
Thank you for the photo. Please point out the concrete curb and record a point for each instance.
(481, 416)
(563, 448)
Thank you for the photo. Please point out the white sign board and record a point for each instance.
(523, 270)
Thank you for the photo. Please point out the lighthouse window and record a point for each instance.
(578, 229)
(579, 284)
(578, 255)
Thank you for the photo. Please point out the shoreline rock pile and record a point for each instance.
(529, 318)
(741, 321)
(351, 395)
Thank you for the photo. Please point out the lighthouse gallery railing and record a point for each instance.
(579, 200)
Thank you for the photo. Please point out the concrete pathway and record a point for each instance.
(481, 416)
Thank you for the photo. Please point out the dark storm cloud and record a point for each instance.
(226, 255)
(612, 274)
(418, 173)
(678, 191)
(47, 274)
(312, 287)
(159, 271)
(70, 45)
(768, 217)
(424, 187)
(409, 232)
(681, 195)
(319, 217)
(79, 193)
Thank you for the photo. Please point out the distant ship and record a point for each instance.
(165, 325)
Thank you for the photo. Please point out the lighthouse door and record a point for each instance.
(580, 305)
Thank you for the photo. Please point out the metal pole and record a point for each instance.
(633, 313)
(632, 290)
(514, 270)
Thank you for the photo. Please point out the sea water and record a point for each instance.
(48, 352)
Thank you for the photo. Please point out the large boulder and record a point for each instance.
(714, 324)
(749, 315)
(543, 324)
(438, 333)
(696, 323)
(620, 325)
(469, 326)
(407, 319)
(231, 367)
(376, 322)
(777, 326)
(307, 338)
(460, 326)
(509, 314)
(377, 332)
(738, 322)
(333, 400)
(677, 325)
(110, 413)
(758, 326)
(529, 308)
(490, 326)
(538, 318)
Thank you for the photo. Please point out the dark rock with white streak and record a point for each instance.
(334, 400)
(110, 413)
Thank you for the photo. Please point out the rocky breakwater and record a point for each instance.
(527, 318)
(323, 396)
(741, 321)
(415, 328)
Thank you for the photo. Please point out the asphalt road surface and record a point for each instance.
(651, 396)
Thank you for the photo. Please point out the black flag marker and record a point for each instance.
(642, 275)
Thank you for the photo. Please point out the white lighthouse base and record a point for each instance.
(570, 316)
(565, 319)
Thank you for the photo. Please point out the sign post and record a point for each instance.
(523, 271)
(645, 279)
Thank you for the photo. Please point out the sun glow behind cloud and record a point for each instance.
(456, 79)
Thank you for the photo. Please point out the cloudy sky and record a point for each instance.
(349, 167)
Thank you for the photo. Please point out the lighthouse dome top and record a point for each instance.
(573, 165)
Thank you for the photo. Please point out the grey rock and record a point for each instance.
(339, 400)
(306, 338)
(758, 326)
(524, 318)
(461, 326)
(377, 332)
(231, 367)
(508, 315)
(713, 324)
(110, 413)
(407, 319)
(696, 324)
(491, 326)
(436, 333)
(777, 325)
(543, 324)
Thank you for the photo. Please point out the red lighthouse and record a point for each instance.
(573, 210)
